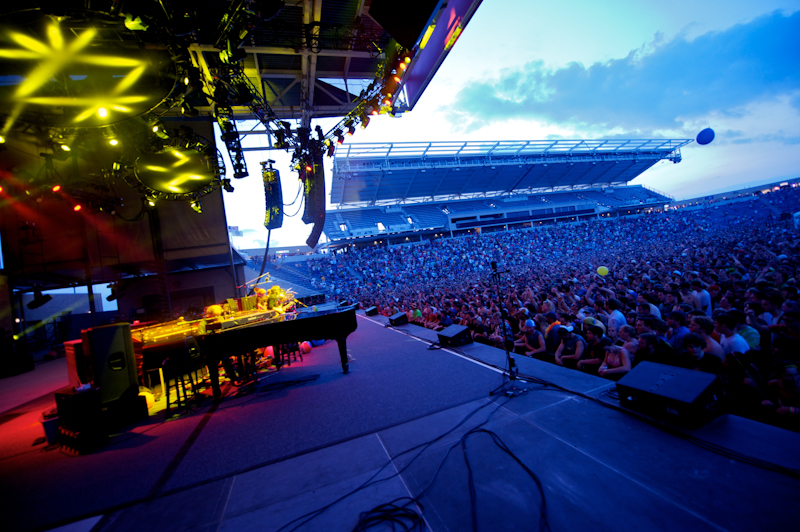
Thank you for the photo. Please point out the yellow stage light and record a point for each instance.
(65, 147)
(102, 112)
(113, 142)
(2, 139)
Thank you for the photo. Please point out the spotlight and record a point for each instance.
(309, 168)
(340, 139)
(56, 188)
(64, 147)
(364, 122)
(196, 207)
(2, 139)
(226, 184)
(38, 299)
(77, 207)
(102, 112)
(1, 189)
(151, 201)
(331, 149)
(351, 129)
(188, 110)
(113, 142)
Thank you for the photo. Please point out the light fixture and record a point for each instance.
(364, 122)
(64, 147)
(56, 188)
(38, 299)
(113, 142)
(196, 206)
(2, 139)
(77, 207)
(102, 112)
(351, 129)
(151, 201)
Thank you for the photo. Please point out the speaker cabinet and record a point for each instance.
(109, 349)
(398, 319)
(371, 311)
(454, 336)
(682, 396)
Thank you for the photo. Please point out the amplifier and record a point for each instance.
(454, 336)
(682, 396)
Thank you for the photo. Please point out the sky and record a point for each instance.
(525, 70)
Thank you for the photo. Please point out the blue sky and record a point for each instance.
(525, 70)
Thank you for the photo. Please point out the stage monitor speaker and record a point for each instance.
(109, 349)
(682, 396)
(371, 311)
(454, 336)
(398, 319)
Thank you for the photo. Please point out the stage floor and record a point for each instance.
(407, 421)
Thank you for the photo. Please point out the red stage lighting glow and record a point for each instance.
(76, 208)
(56, 188)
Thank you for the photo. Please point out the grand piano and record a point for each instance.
(243, 333)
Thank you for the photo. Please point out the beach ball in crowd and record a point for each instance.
(705, 136)
(602, 270)
(305, 348)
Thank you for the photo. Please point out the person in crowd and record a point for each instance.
(616, 363)
(654, 349)
(594, 354)
(676, 321)
(701, 296)
(695, 358)
(704, 326)
(551, 337)
(730, 341)
(628, 340)
(750, 335)
(571, 348)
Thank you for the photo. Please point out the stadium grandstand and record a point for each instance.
(407, 192)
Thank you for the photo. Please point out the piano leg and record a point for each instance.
(342, 342)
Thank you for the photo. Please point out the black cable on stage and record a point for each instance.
(371, 481)
(393, 514)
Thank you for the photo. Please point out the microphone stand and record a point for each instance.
(508, 387)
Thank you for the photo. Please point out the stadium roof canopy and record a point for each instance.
(388, 173)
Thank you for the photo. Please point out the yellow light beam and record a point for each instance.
(52, 62)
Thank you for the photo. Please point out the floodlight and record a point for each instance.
(38, 299)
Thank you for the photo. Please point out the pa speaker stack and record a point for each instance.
(455, 336)
(371, 311)
(398, 319)
(681, 396)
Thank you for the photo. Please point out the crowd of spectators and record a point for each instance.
(713, 289)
